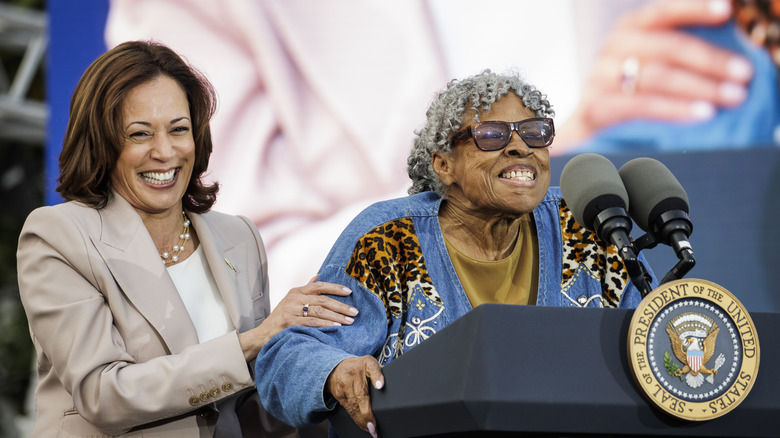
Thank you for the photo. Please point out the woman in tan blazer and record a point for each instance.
(147, 309)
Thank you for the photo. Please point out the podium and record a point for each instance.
(505, 370)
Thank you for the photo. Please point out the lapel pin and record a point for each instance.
(231, 266)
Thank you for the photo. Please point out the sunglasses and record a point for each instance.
(495, 135)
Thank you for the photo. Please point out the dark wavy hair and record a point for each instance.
(94, 136)
(445, 117)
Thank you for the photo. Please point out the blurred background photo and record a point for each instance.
(318, 102)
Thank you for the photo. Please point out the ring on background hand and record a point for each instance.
(305, 310)
(629, 74)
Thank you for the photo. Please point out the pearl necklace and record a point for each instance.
(173, 256)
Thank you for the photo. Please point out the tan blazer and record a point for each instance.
(117, 352)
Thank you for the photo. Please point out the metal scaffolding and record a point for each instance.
(22, 31)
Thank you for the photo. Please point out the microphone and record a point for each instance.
(659, 206)
(594, 191)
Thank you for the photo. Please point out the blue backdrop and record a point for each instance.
(75, 40)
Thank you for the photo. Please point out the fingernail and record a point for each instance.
(732, 93)
(353, 311)
(348, 320)
(378, 384)
(702, 110)
(371, 429)
(739, 69)
(347, 290)
(719, 7)
(337, 323)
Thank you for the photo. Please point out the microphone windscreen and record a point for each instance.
(590, 184)
(652, 189)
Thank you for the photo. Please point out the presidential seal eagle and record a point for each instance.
(693, 343)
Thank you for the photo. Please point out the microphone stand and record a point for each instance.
(681, 268)
(615, 224)
(674, 227)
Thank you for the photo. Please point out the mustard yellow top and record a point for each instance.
(513, 280)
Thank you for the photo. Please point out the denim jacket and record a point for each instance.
(394, 259)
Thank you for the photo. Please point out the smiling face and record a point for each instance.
(158, 150)
(511, 181)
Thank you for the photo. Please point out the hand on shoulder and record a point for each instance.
(308, 306)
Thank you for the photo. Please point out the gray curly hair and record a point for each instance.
(445, 117)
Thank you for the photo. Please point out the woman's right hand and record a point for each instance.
(649, 68)
(348, 383)
(307, 306)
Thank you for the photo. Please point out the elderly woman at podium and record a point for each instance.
(481, 224)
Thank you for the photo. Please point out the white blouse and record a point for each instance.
(198, 290)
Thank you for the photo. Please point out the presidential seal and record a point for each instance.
(693, 349)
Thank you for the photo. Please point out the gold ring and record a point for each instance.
(629, 74)
(305, 310)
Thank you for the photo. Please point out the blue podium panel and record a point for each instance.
(734, 206)
(547, 371)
